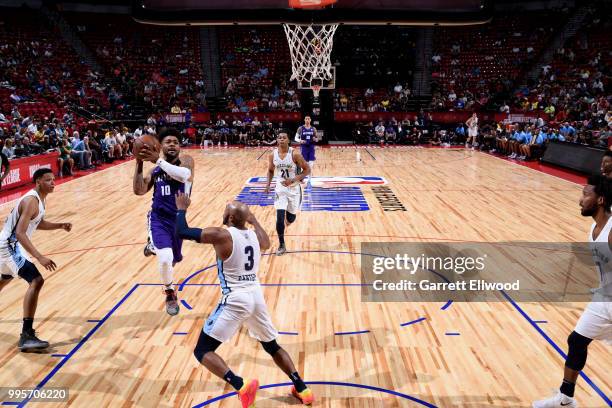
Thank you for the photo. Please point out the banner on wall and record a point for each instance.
(22, 170)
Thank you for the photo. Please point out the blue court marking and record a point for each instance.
(80, 344)
(556, 347)
(352, 332)
(540, 321)
(334, 383)
(447, 305)
(452, 334)
(420, 319)
(182, 284)
(133, 289)
(187, 305)
(343, 198)
(371, 155)
(289, 333)
(180, 333)
(58, 355)
(93, 320)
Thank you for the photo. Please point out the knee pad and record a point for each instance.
(206, 344)
(291, 217)
(271, 347)
(577, 352)
(280, 221)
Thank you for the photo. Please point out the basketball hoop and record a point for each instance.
(310, 47)
(315, 90)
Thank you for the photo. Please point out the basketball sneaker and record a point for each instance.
(148, 249)
(29, 341)
(559, 400)
(247, 393)
(281, 250)
(306, 397)
(172, 306)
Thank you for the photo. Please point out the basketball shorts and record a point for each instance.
(472, 132)
(308, 153)
(596, 321)
(289, 199)
(162, 234)
(14, 262)
(236, 309)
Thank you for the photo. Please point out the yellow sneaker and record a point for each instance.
(247, 393)
(306, 397)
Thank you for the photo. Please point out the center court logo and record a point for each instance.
(336, 193)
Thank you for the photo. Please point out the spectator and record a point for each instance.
(5, 167)
(9, 150)
(65, 159)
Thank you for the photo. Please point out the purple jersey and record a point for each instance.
(165, 189)
(307, 135)
(308, 148)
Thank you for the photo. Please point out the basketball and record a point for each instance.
(149, 140)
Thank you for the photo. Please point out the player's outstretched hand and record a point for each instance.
(148, 154)
(47, 263)
(182, 201)
(67, 226)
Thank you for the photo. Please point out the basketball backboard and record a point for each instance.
(224, 12)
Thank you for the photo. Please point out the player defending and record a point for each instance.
(27, 216)
(238, 251)
(307, 137)
(170, 175)
(283, 164)
(596, 321)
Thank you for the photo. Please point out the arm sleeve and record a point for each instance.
(298, 137)
(183, 230)
(178, 173)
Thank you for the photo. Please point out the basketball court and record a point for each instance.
(114, 345)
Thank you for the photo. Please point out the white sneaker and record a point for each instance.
(559, 400)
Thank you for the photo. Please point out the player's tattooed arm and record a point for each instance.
(141, 184)
(270, 172)
(303, 164)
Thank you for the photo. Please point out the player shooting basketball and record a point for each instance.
(170, 175)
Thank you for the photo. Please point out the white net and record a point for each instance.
(311, 47)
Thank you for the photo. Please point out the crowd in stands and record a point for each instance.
(575, 88)
(80, 146)
(477, 67)
(43, 81)
(145, 65)
(255, 70)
